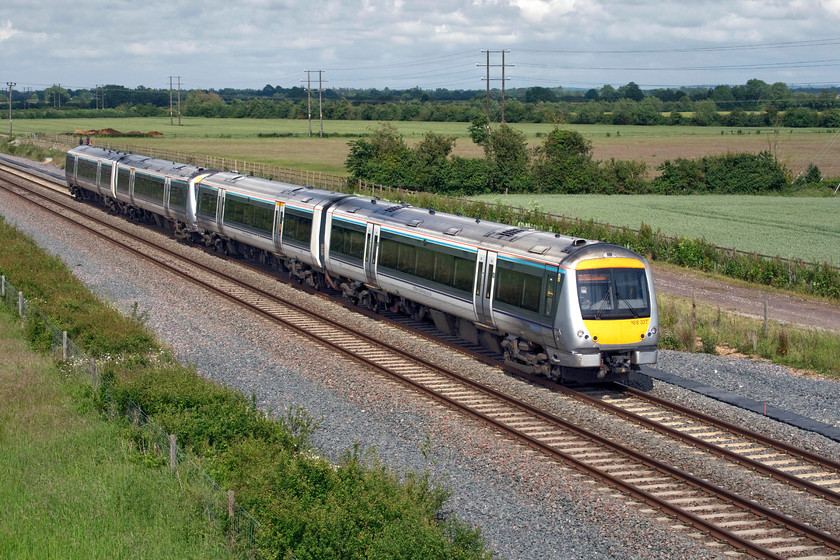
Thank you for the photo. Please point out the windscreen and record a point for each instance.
(613, 293)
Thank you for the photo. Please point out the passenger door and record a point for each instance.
(485, 284)
(278, 226)
(371, 253)
(553, 283)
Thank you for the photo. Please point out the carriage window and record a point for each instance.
(178, 195)
(519, 288)
(123, 179)
(297, 226)
(149, 186)
(105, 175)
(347, 240)
(87, 170)
(249, 213)
(208, 200)
(429, 262)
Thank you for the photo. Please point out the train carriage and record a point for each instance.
(277, 220)
(138, 186)
(560, 306)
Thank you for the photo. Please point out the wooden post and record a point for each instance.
(231, 503)
(765, 317)
(693, 309)
(20, 304)
(3, 285)
(173, 452)
(64, 345)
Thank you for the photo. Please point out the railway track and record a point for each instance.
(722, 515)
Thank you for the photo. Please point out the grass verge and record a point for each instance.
(307, 508)
(695, 327)
(72, 488)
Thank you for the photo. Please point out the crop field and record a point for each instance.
(802, 228)
(291, 147)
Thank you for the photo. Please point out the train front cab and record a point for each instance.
(613, 326)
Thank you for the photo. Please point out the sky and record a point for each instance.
(400, 44)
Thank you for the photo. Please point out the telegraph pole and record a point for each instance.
(309, 99)
(320, 104)
(170, 100)
(487, 78)
(179, 100)
(11, 85)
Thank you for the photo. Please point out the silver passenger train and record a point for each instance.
(564, 307)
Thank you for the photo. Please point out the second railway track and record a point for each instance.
(743, 524)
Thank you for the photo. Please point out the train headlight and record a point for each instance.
(580, 333)
(652, 331)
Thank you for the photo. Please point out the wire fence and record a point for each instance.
(219, 505)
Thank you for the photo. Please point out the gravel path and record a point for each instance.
(526, 506)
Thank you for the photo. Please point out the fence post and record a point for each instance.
(3, 286)
(64, 345)
(765, 317)
(231, 503)
(20, 304)
(173, 452)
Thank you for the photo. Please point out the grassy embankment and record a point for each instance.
(769, 225)
(78, 481)
(71, 486)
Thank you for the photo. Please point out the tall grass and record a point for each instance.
(71, 487)
(693, 327)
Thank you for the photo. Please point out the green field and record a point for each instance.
(804, 228)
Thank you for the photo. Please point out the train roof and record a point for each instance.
(136, 161)
(522, 241)
(270, 190)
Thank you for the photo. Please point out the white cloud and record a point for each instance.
(7, 31)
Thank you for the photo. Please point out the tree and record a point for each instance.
(705, 113)
(479, 128)
(56, 96)
(649, 112)
(563, 164)
(631, 91)
(609, 94)
(383, 158)
(432, 164)
(624, 111)
(537, 93)
(506, 151)
(200, 103)
(722, 96)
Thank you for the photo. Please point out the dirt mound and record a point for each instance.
(113, 132)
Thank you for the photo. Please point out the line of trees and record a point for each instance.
(563, 163)
(755, 103)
